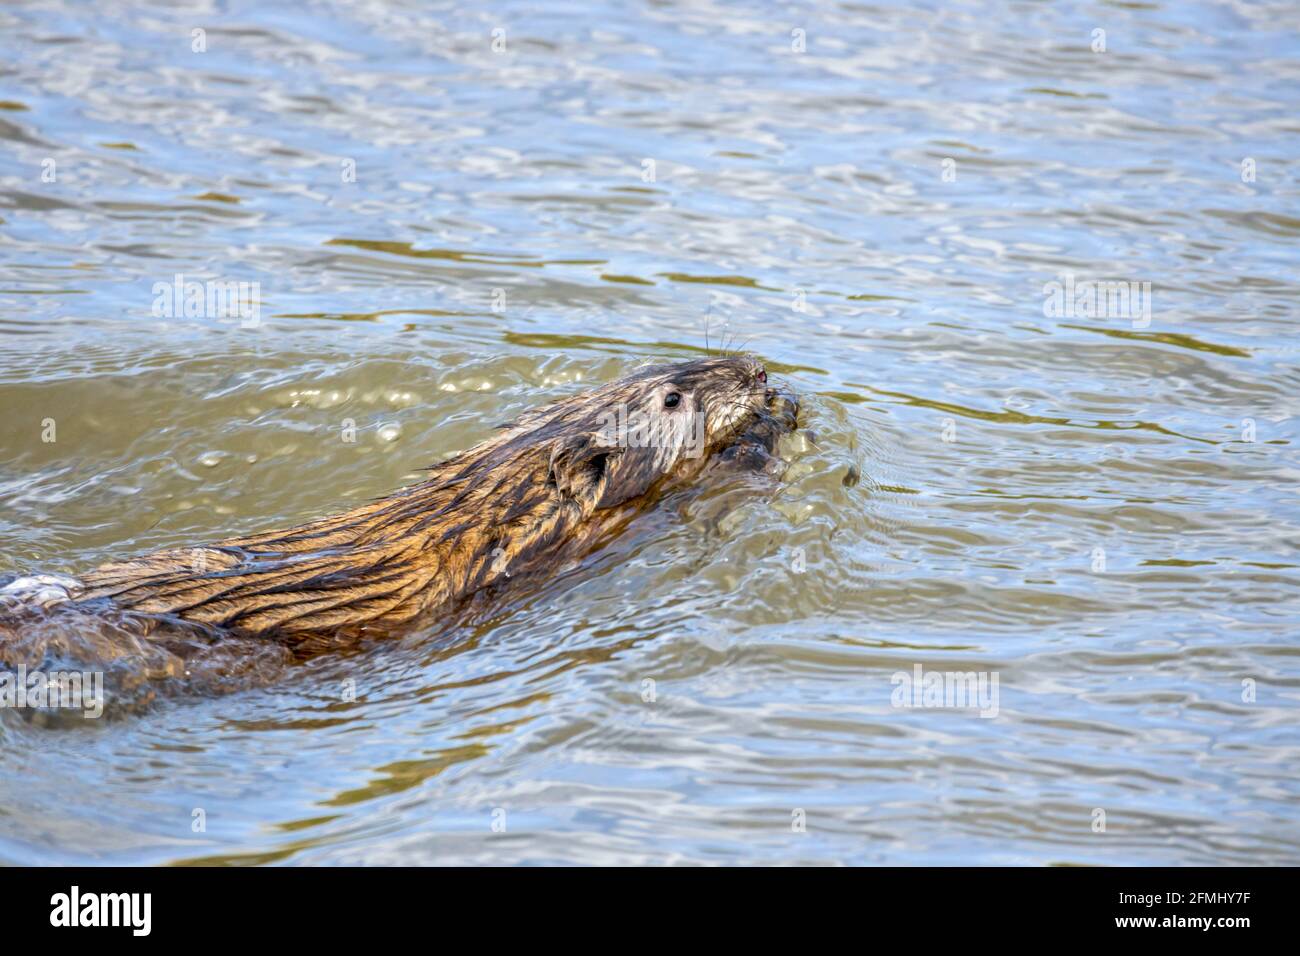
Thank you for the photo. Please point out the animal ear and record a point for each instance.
(578, 464)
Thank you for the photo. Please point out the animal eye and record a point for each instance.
(672, 399)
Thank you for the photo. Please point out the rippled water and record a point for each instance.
(1099, 510)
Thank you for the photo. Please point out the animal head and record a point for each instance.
(613, 443)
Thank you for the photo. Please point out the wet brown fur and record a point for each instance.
(548, 484)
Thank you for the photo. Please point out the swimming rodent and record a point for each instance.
(548, 486)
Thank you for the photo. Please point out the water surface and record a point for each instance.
(1100, 510)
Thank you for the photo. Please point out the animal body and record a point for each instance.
(547, 487)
